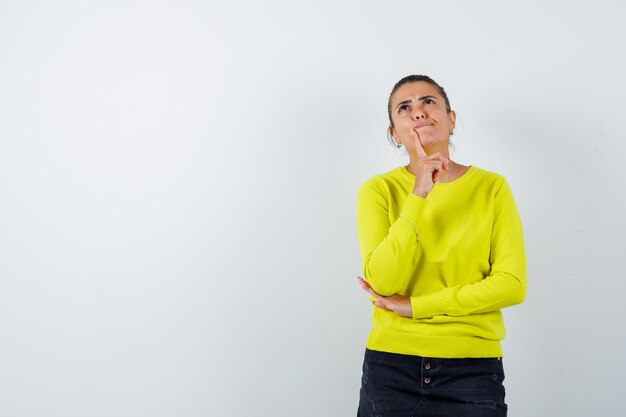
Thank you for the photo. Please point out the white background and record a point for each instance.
(178, 183)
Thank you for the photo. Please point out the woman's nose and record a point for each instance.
(418, 114)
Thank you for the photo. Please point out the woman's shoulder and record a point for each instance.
(397, 176)
(491, 182)
(484, 175)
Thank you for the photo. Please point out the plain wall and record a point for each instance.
(178, 185)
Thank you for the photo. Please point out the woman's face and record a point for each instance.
(419, 107)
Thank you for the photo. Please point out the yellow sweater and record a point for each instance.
(459, 255)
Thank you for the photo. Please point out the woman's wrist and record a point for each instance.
(420, 193)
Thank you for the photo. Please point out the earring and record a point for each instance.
(391, 139)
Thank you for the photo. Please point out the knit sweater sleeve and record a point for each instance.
(505, 285)
(389, 249)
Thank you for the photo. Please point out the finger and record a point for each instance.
(438, 156)
(432, 165)
(436, 175)
(366, 287)
(421, 153)
(445, 160)
(363, 284)
(375, 294)
(432, 162)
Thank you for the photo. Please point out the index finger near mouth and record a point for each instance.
(421, 153)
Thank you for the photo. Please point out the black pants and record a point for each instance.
(395, 385)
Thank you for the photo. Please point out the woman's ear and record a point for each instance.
(391, 135)
(452, 120)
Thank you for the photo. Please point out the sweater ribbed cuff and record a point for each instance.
(413, 208)
(429, 305)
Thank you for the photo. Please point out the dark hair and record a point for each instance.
(414, 79)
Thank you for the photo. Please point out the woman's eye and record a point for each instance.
(402, 108)
(429, 101)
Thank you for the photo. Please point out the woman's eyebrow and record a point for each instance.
(404, 102)
(410, 100)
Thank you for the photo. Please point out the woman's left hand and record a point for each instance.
(399, 304)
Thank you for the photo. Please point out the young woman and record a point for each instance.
(443, 253)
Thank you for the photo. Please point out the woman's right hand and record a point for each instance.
(428, 168)
(399, 304)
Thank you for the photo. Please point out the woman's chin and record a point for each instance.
(430, 142)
